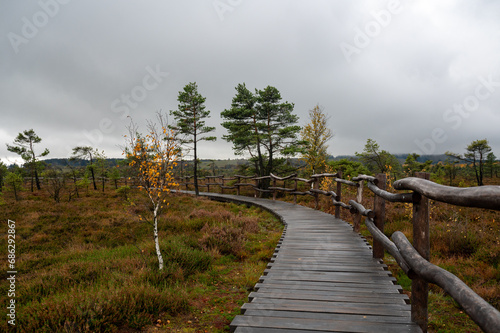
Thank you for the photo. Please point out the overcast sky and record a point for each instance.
(416, 76)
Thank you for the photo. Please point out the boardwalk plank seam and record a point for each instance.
(322, 278)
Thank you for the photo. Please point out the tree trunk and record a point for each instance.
(477, 174)
(32, 178)
(157, 243)
(481, 170)
(196, 189)
(76, 186)
(37, 180)
(93, 176)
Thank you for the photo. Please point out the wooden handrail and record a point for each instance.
(412, 259)
(388, 196)
(481, 197)
(283, 178)
(483, 314)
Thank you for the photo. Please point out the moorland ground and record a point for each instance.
(89, 264)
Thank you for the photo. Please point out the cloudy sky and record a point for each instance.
(416, 76)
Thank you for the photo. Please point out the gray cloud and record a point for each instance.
(64, 78)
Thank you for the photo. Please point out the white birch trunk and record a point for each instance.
(157, 241)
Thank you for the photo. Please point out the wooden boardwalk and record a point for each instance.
(322, 278)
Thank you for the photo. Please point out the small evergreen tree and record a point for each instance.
(476, 154)
(24, 146)
(87, 152)
(190, 122)
(376, 160)
(263, 126)
(15, 181)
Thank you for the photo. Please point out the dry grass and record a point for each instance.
(89, 265)
(464, 241)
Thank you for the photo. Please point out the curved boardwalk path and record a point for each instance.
(322, 278)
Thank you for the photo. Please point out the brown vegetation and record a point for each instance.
(89, 265)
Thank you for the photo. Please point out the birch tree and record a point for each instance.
(316, 133)
(153, 157)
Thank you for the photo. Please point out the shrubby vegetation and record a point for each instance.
(89, 265)
(86, 262)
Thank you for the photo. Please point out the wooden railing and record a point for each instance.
(413, 259)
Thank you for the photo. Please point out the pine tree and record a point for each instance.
(190, 122)
(263, 126)
(24, 146)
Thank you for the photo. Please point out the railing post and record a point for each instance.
(237, 185)
(339, 195)
(421, 243)
(379, 210)
(295, 190)
(222, 185)
(316, 195)
(274, 191)
(359, 199)
(256, 195)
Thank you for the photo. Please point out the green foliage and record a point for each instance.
(84, 182)
(316, 133)
(412, 165)
(188, 259)
(102, 167)
(378, 161)
(124, 192)
(190, 122)
(3, 173)
(490, 166)
(115, 175)
(15, 181)
(191, 114)
(24, 147)
(101, 310)
(264, 127)
(349, 168)
(476, 153)
(87, 152)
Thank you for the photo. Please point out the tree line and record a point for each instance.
(260, 125)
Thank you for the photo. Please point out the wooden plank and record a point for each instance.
(321, 325)
(330, 294)
(291, 285)
(330, 297)
(331, 277)
(322, 278)
(312, 266)
(397, 310)
(328, 316)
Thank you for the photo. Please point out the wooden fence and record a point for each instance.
(413, 259)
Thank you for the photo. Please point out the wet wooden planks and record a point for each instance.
(322, 278)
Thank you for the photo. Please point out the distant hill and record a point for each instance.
(401, 158)
(61, 162)
(234, 163)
